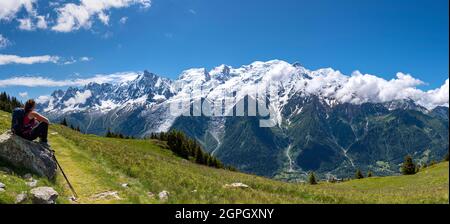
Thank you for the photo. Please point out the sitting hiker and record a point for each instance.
(29, 124)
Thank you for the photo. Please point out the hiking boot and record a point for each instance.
(45, 145)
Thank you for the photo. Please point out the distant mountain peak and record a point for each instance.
(405, 104)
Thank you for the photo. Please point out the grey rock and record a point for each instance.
(163, 195)
(27, 176)
(2, 185)
(44, 195)
(22, 153)
(21, 198)
(32, 183)
(2, 189)
(236, 185)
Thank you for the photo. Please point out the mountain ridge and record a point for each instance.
(275, 70)
(323, 118)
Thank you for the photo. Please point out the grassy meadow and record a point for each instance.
(99, 167)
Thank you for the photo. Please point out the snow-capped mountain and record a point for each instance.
(276, 76)
(146, 88)
(314, 102)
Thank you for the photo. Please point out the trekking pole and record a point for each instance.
(65, 177)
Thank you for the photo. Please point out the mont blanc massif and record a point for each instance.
(324, 121)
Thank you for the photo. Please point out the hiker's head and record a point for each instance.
(30, 105)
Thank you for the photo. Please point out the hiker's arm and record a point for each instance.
(39, 117)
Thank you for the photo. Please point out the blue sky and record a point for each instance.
(380, 37)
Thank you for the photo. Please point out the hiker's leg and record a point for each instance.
(40, 131)
(32, 135)
(44, 132)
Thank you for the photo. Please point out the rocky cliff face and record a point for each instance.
(24, 154)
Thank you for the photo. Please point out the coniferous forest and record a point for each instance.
(8, 103)
(188, 148)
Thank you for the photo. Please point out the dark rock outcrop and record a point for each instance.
(24, 154)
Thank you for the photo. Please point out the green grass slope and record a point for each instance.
(96, 165)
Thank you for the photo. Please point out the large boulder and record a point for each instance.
(43, 195)
(24, 154)
(21, 198)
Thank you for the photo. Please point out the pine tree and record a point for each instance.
(231, 168)
(312, 179)
(424, 165)
(109, 134)
(187, 148)
(433, 162)
(358, 174)
(446, 157)
(64, 122)
(198, 156)
(408, 167)
(164, 136)
(369, 174)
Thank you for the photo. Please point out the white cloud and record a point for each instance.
(31, 82)
(23, 94)
(66, 17)
(14, 59)
(79, 98)
(33, 22)
(69, 61)
(36, 81)
(104, 18)
(73, 60)
(26, 24)
(42, 99)
(358, 88)
(54, 4)
(4, 42)
(10, 8)
(193, 12)
(72, 17)
(76, 16)
(362, 88)
(433, 98)
(123, 20)
(41, 22)
(85, 59)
